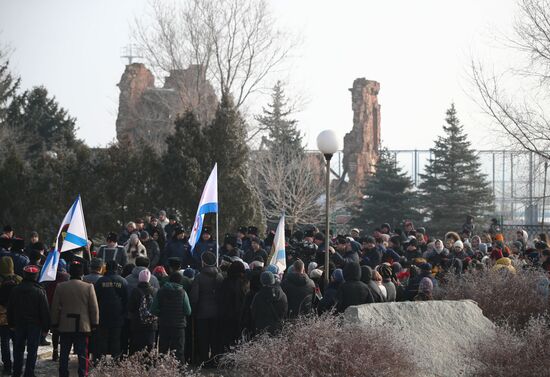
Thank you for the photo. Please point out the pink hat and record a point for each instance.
(144, 276)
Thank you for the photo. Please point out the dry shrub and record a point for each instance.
(511, 352)
(321, 346)
(503, 297)
(142, 364)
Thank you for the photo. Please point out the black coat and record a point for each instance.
(366, 277)
(231, 297)
(178, 249)
(28, 304)
(269, 308)
(353, 291)
(348, 257)
(250, 255)
(204, 293)
(372, 257)
(171, 305)
(299, 290)
(112, 297)
(329, 297)
(143, 290)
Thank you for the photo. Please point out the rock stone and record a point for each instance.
(439, 334)
(362, 143)
(147, 113)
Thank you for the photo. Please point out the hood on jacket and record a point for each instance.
(6, 266)
(352, 271)
(504, 261)
(366, 274)
(137, 270)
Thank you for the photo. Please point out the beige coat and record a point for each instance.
(74, 307)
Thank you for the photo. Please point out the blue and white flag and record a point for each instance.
(208, 204)
(279, 253)
(75, 227)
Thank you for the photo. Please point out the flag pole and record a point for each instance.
(217, 241)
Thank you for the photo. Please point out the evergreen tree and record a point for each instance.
(453, 185)
(238, 205)
(40, 124)
(185, 168)
(388, 195)
(8, 88)
(283, 138)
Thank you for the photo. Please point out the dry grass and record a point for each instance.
(321, 346)
(504, 298)
(512, 353)
(143, 364)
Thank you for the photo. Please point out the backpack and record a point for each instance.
(144, 315)
(6, 287)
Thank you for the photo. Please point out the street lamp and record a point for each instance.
(328, 144)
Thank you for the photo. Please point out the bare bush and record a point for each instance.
(321, 346)
(503, 297)
(519, 352)
(143, 364)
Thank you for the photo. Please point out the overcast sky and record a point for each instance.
(418, 50)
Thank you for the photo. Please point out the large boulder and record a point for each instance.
(439, 334)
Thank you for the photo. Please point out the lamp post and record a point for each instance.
(328, 144)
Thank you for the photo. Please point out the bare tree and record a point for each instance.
(234, 42)
(522, 117)
(291, 186)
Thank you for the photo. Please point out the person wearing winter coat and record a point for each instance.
(126, 233)
(425, 271)
(134, 248)
(345, 252)
(437, 254)
(74, 313)
(96, 265)
(269, 306)
(112, 297)
(504, 265)
(112, 251)
(178, 247)
(353, 291)
(142, 263)
(367, 278)
(29, 315)
(255, 252)
(232, 293)
(171, 306)
(204, 302)
(8, 280)
(299, 290)
(20, 260)
(372, 255)
(425, 289)
(152, 247)
(143, 322)
(328, 302)
(386, 273)
(61, 276)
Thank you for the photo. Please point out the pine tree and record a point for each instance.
(226, 134)
(185, 168)
(8, 87)
(453, 185)
(388, 195)
(283, 139)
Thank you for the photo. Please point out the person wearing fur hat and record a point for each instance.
(206, 243)
(178, 247)
(371, 254)
(29, 315)
(171, 306)
(231, 298)
(255, 252)
(143, 323)
(230, 247)
(206, 309)
(15, 252)
(269, 306)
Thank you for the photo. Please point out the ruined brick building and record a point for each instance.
(146, 113)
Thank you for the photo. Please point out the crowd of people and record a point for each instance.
(146, 289)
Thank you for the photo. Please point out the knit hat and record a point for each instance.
(425, 267)
(311, 266)
(499, 237)
(189, 273)
(426, 285)
(459, 244)
(144, 235)
(338, 275)
(160, 270)
(209, 259)
(267, 278)
(316, 274)
(144, 276)
(483, 248)
(273, 268)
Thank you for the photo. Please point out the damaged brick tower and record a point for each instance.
(146, 113)
(362, 143)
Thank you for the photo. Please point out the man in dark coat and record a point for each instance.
(29, 314)
(171, 306)
(112, 298)
(346, 252)
(255, 252)
(372, 255)
(328, 302)
(178, 247)
(269, 306)
(366, 277)
(8, 280)
(205, 307)
(16, 253)
(353, 291)
(112, 251)
(299, 290)
(152, 247)
(206, 243)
